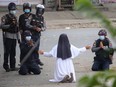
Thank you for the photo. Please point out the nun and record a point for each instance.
(64, 52)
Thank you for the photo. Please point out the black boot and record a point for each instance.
(7, 70)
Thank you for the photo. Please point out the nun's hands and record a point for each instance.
(40, 52)
(88, 47)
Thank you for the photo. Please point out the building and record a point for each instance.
(19, 2)
(54, 4)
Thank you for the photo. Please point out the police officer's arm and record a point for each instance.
(44, 26)
(20, 24)
(109, 48)
(25, 47)
(3, 21)
(31, 27)
(28, 25)
(94, 48)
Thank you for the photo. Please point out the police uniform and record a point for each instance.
(24, 17)
(29, 65)
(37, 21)
(10, 36)
(22, 22)
(102, 59)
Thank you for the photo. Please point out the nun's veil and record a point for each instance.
(63, 49)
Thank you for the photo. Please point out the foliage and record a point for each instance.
(100, 79)
(89, 9)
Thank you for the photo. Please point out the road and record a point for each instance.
(78, 37)
(80, 30)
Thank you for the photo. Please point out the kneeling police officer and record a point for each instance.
(28, 63)
(104, 52)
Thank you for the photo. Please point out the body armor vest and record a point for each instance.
(22, 21)
(101, 54)
(37, 21)
(12, 21)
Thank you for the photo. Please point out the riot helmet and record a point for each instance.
(27, 7)
(12, 6)
(102, 32)
(39, 9)
(27, 33)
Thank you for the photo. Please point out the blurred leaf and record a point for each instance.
(87, 8)
(84, 81)
(100, 79)
(114, 83)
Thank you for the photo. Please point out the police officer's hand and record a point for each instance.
(31, 43)
(14, 21)
(38, 29)
(88, 47)
(111, 57)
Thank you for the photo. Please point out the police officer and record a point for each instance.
(36, 25)
(103, 51)
(29, 65)
(10, 36)
(23, 17)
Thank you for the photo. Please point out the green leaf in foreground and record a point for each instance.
(99, 79)
(89, 9)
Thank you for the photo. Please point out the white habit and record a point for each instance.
(64, 67)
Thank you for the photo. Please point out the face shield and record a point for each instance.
(40, 11)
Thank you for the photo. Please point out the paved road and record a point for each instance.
(82, 64)
(78, 37)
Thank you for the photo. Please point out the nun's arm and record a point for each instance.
(76, 51)
(47, 54)
(83, 49)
